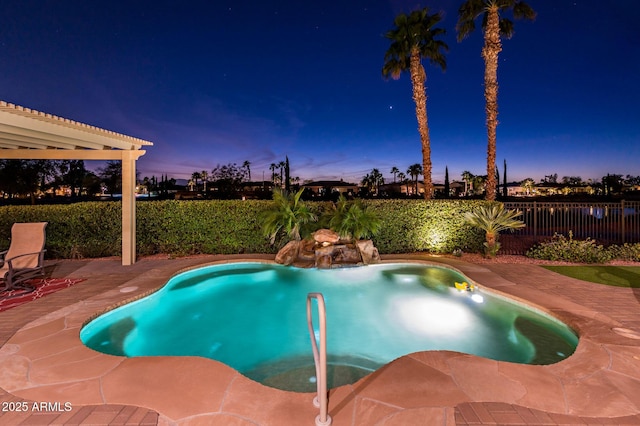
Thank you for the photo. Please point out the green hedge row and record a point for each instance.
(93, 229)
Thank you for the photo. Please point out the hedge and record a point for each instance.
(93, 229)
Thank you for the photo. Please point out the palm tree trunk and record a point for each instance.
(491, 243)
(490, 51)
(418, 78)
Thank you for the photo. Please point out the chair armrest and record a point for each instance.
(39, 253)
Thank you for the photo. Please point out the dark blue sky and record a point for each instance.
(214, 82)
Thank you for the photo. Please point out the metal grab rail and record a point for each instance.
(321, 400)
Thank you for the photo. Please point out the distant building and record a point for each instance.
(325, 188)
(257, 190)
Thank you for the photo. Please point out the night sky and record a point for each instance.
(217, 82)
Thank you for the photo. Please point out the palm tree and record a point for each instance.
(394, 171)
(403, 179)
(288, 215)
(273, 168)
(492, 219)
(195, 176)
(247, 166)
(414, 38)
(414, 171)
(494, 26)
(376, 179)
(352, 220)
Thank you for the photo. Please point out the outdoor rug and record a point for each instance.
(44, 286)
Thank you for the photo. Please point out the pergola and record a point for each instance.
(33, 135)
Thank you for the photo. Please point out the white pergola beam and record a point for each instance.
(67, 154)
(12, 133)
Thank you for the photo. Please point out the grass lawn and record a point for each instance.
(619, 276)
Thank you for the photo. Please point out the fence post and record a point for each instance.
(622, 227)
(535, 221)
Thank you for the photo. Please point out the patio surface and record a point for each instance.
(43, 361)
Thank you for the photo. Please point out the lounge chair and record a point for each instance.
(25, 258)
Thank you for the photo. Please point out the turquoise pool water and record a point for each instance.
(252, 317)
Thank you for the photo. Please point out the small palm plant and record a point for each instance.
(492, 219)
(287, 216)
(353, 220)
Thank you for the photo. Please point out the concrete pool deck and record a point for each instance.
(43, 361)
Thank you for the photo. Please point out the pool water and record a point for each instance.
(252, 317)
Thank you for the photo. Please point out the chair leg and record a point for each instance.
(19, 282)
(24, 286)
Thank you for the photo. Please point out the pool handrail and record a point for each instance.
(321, 400)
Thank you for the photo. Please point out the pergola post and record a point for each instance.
(129, 207)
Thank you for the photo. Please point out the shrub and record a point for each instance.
(629, 252)
(435, 226)
(93, 229)
(561, 248)
(201, 227)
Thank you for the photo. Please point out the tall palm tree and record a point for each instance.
(403, 179)
(414, 38)
(494, 26)
(247, 166)
(195, 176)
(273, 168)
(394, 171)
(414, 171)
(377, 179)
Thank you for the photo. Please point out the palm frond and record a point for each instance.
(473, 9)
(522, 10)
(414, 30)
(287, 216)
(494, 218)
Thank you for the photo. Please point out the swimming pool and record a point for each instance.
(252, 317)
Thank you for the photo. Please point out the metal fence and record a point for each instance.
(606, 223)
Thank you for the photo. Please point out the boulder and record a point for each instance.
(323, 261)
(346, 254)
(289, 253)
(368, 252)
(307, 250)
(326, 236)
(324, 251)
(324, 254)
